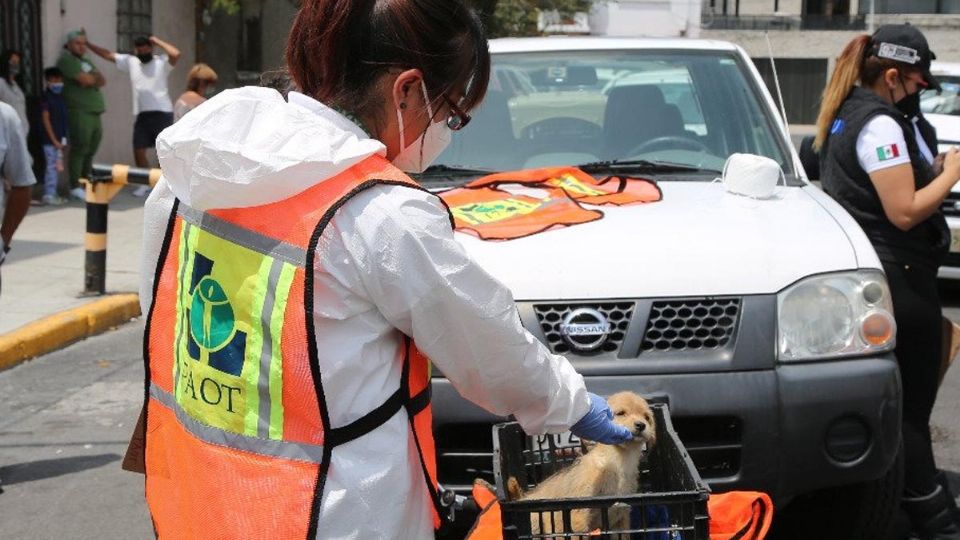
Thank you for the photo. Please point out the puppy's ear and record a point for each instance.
(514, 492)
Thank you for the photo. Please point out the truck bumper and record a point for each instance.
(785, 431)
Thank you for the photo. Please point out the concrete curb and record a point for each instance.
(61, 329)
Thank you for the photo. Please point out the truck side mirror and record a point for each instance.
(809, 158)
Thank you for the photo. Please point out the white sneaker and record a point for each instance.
(141, 191)
(51, 200)
(79, 193)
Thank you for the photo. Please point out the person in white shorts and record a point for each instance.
(152, 106)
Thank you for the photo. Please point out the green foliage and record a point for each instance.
(230, 7)
(514, 18)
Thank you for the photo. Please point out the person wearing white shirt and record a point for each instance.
(877, 163)
(152, 106)
(15, 166)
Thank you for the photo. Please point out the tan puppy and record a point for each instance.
(603, 470)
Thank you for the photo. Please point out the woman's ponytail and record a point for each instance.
(846, 75)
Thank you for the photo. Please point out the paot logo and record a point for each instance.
(585, 329)
(494, 211)
(214, 336)
(889, 151)
(212, 323)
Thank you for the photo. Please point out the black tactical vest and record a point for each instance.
(845, 180)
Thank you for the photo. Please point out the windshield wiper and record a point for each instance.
(642, 165)
(455, 170)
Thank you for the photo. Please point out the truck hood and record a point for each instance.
(698, 241)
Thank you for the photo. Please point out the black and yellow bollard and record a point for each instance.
(102, 186)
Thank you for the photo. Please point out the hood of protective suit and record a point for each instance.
(249, 147)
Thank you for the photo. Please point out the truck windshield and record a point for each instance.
(947, 101)
(690, 108)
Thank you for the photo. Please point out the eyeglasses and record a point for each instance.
(458, 119)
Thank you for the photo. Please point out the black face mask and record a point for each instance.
(145, 58)
(909, 105)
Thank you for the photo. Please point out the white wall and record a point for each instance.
(173, 21)
(657, 18)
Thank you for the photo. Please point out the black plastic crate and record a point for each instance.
(671, 503)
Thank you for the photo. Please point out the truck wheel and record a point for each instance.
(865, 511)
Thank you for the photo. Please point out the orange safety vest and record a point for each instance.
(238, 434)
(483, 209)
(493, 214)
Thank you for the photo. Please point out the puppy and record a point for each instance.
(604, 470)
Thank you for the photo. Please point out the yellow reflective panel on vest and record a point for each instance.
(230, 307)
(571, 184)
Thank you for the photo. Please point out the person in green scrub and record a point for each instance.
(84, 106)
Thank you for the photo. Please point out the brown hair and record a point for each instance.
(338, 49)
(856, 64)
(200, 73)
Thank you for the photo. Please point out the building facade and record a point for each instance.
(807, 35)
(37, 28)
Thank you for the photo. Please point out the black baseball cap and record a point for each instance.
(905, 44)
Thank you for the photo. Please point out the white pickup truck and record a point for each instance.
(753, 318)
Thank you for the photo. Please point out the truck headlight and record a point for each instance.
(835, 315)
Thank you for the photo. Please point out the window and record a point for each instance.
(133, 20)
(912, 6)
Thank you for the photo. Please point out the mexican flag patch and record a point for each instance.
(889, 151)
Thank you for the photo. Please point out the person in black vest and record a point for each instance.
(876, 161)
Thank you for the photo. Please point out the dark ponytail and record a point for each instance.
(338, 49)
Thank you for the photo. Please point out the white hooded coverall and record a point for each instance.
(390, 265)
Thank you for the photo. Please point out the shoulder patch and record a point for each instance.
(837, 126)
(889, 151)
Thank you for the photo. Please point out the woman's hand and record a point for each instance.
(938, 163)
(951, 163)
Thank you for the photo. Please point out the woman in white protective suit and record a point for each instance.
(296, 280)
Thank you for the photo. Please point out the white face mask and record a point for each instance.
(417, 157)
(751, 175)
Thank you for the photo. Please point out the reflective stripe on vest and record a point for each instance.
(235, 402)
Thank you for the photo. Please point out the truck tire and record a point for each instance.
(865, 511)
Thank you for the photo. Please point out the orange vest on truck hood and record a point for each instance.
(487, 210)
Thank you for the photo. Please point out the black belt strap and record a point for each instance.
(368, 423)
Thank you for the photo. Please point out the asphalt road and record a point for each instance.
(65, 420)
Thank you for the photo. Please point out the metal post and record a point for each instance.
(104, 184)
(95, 266)
(873, 13)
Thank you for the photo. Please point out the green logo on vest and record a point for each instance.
(212, 322)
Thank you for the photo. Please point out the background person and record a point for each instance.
(85, 105)
(53, 113)
(378, 81)
(10, 92)
(878, 166)
(201, 84)
(17, 172)
(151, 97)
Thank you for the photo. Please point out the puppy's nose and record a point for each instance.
(641, 426)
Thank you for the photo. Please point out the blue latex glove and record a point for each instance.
(597, 425)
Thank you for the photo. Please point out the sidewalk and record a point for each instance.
(44, 273)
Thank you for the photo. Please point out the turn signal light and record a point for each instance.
(877, 328)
